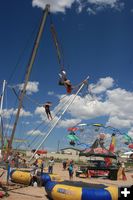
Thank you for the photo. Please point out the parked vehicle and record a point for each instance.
(97, 168)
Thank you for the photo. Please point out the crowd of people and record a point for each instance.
(42, 164)
(16, 160)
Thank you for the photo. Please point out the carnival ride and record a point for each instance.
(71, 190)
(107, 166)
(20, 94)
(58, 189)
(64, 189)
(75, 135)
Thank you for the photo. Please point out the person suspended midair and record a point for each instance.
(64, 81)
(47, 109)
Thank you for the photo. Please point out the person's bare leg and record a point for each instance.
(50, 116)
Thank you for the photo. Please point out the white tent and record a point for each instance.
(128, 153)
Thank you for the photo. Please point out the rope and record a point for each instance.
(29, 98)
(33, 101)
(11, 118)
(57, 45)
(57, 111)
(63, 106)
(22, 53)
(56, 122)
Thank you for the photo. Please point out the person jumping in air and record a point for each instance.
(68, 86)
(64, 81)
(47, 109)
(63, 77)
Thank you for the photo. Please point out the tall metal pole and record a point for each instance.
(1, 107)
(56, 122)
(58, 146)
(31, 62)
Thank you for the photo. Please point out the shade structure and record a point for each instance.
(73, 137)
(72, 129)
(130, 146)
(98, 152)
(128, 153)
(40, 151)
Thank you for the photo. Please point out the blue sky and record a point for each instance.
(96, 38)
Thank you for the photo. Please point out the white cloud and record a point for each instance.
(115, 104)
(96, 6)
(35, 132)
(24, 113)
(121, 107)
(92, 6)
(84, 109)
(32, 87)
(7, 113)
(68, 123)
(102, 85)
(117, 122)
(62, 123)
(8, 126)
(55, 5)
(51, 93)
(130, 132)
(91, 11)
(40, 110)
(111, 3)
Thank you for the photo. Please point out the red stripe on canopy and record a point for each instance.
(72, 129)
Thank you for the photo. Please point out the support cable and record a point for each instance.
(56, 43)
(56, 112)
(29, 68)
(56, 122)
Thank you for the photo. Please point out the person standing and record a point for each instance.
(121, 172)
(42, 165)
(64, 163)
(50, 165)
(71, 169)
(16, 160)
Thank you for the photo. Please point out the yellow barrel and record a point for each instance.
(21, 177)
(55, 177)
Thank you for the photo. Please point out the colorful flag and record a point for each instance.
(111, 149)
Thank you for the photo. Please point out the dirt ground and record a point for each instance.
(38, 193)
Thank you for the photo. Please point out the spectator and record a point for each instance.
(64, 163)
(16, 160)
(24, 165)
(42, 165)
(121, 173)
(71, 170)
(50, 165)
